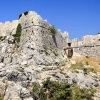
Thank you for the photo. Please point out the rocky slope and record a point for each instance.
(30, 51)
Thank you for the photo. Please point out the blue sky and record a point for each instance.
(78, 17)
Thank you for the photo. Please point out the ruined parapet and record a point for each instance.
(91, 40)
(97, 39)
(75, 42)
(66, 38)
(7, 27)
(89, 46)
(80, 43)
(88, 40)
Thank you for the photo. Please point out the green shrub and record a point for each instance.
(55, 53)
(80, 66)
(1, 98)
(21, 70)
(54, 90)
(77, 66)
(57, 91)
(63, 63)
(18, 33)
(53, 30)
(38, 92)
(82, 94)
(87, 70)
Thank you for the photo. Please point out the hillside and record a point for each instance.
(32, 50)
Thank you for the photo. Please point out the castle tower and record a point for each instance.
(35, 31)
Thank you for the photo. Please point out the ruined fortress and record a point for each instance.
(37, 40)
(31, 50)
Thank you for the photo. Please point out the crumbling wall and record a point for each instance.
(89, 46)
(37, 31)
(7, 27)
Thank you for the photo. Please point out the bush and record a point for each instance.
(38, 92)
(18, 33)
(82, 94)
(55, 53)
(53, 30)
(1, 98)
(57, 91)
(53, 90)
(21, 70)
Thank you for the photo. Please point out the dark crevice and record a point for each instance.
(54, 39)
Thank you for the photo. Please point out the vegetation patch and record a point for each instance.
(18, 33)
(94, 63)
(37, 92)
(53, 30)
(21, 70)
(55, 53)
(53, 90)
(80, 66)
(63, 63)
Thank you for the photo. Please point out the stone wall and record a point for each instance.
(7, 27)
(38, 45)
(34, 28)
(89, 46)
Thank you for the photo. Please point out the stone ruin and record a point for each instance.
(36, 41)
(39, 54)
(36, 35)
(89, 46)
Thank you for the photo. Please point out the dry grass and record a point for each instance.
(93, 62)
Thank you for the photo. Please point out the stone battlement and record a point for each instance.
(88, 40)
(7, 27)
(89, 46)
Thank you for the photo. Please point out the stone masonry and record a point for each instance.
(89, 46)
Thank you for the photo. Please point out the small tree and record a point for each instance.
(53, 30)
(18, 33)
(54, 90)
